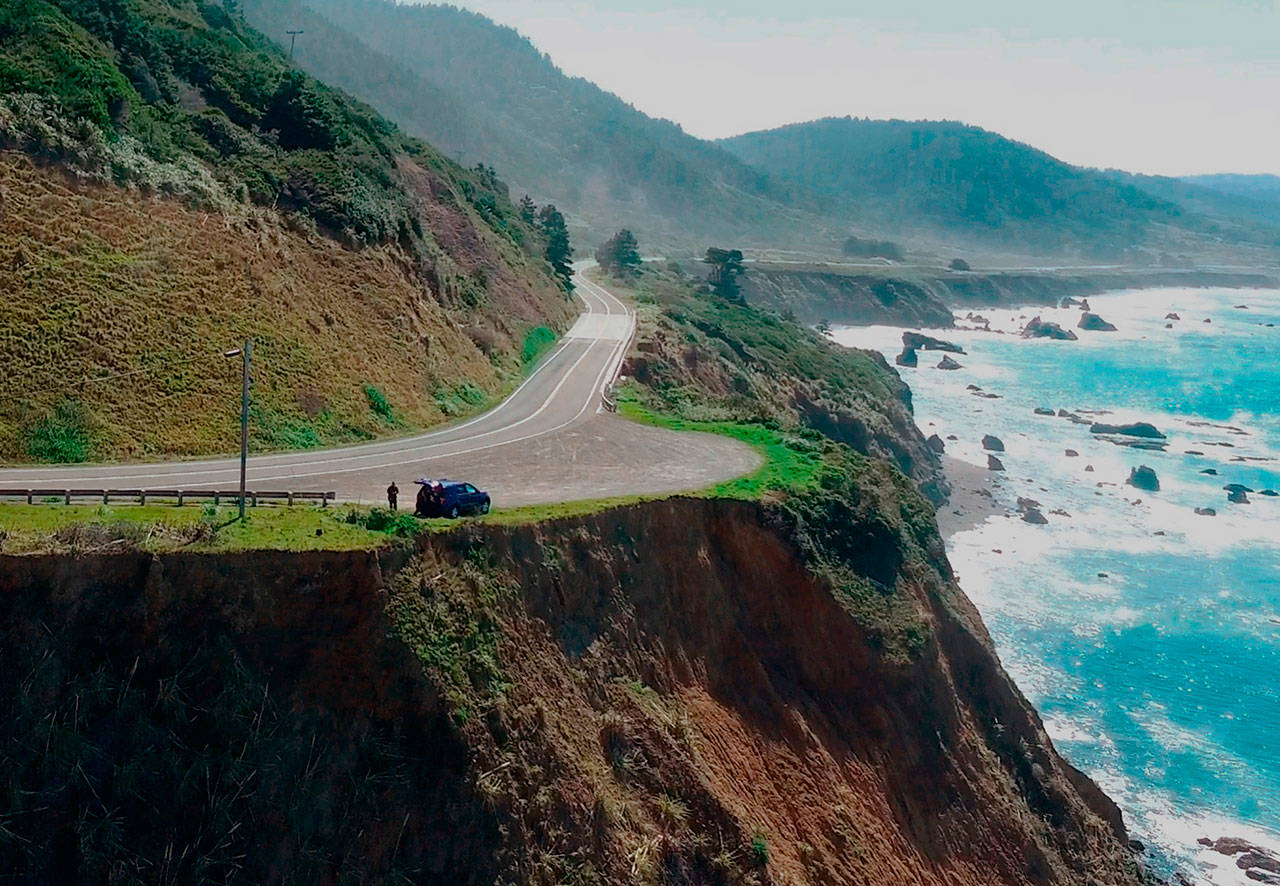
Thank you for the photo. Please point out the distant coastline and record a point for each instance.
(906, 296)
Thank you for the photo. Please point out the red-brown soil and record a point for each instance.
(661, 693)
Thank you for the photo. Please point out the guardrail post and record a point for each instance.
(67, 497)
(30, 497)
(142, 497)
(180, 497)
(254, 496)
(328, 496)
(106, 496)
(290, 498)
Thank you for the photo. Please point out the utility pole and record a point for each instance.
(246, 354)
(293, 36)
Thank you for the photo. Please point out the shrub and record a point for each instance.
(536, 343)
(760, 849)
(379, 403)
(63, 437)
(389, 521)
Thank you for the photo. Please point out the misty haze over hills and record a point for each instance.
(484, 93)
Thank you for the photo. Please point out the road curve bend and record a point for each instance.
(549, 441)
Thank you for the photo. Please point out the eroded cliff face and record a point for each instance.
(685, 691)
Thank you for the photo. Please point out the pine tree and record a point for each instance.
(726, 267)
(559, 252)
(528, 210)
(620, 254)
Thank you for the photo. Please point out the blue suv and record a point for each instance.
(450, 498)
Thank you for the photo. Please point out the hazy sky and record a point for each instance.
(1162, 86)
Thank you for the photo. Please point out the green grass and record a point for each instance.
(793, 460)
(164, 527)
(537, 341)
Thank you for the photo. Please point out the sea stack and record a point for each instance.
(1143, 477)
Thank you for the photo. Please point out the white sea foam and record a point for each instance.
(1110, 526)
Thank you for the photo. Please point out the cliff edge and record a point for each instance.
(683, 691)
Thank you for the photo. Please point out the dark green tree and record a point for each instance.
(620, 255)
(559, 252)
(528, 210)
(726, 268)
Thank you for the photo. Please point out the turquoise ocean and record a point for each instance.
(1147, 636)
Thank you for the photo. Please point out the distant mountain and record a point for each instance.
(951, 180)
(485, 94)
(1255, 187)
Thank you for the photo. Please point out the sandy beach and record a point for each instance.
(971, 501)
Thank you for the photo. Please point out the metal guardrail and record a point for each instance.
(217, 496)
(609, 400)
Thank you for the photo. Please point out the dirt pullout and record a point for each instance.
(671, 692)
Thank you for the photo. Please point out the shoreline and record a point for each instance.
(972, 500)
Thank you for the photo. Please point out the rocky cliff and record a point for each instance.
(925, 299)
(684, 691)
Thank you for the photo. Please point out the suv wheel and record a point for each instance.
(454, 512)
(484, 507)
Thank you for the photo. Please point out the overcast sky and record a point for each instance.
(1161, 86)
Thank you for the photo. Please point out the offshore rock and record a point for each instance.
(1133, 429)
(922, 342)
(907, 358)
(1094, 323)
(992, 443)
(948, 363)
(994, 464)
(1144, 477)
(1037, 328)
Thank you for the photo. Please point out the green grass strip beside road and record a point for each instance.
(792, 462)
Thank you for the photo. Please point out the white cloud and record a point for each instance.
(1091, 102)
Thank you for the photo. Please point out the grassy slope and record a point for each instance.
(805, 458)
(701, 358)
(370, 270)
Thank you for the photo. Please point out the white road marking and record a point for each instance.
(608, 322)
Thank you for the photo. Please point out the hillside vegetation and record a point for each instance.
(557, 137)
(172, 186)
(963, 182)
(703, 358)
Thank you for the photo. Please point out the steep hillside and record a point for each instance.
(676, 692)
(971, 185)
(205, 192)
(560, 138)
(700, 357)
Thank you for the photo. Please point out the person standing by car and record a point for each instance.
(393, 496)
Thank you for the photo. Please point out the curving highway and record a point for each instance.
(548, 441)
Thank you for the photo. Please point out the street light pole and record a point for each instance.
(246, 354)
(244, 422)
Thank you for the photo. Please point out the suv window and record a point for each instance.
(468, 488)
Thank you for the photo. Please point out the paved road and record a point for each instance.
(549, 441)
